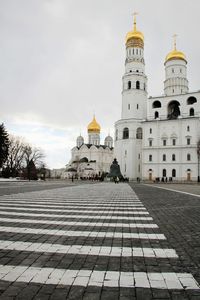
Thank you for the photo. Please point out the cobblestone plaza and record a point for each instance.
(100, 241)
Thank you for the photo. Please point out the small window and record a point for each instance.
(164, 157)
(137, 106)
(173, 157)
(138, 156)
(188, 128)
(191, 112)
(180, 70)
(144, 87)
(150, 157)
(172, 90)
(188, 141)
(125, 152)
(129, 106)
(173, 173)
(130, 71)
(136, 51)
(150, 130)
(156, 115)
(164, 173)
(150, 143)
(174, 142)
(172, 70)
(125, 133)
(137, 71)
(188, 157)
(164, 142)
(133, 51)
(129, 85)
(139, 168)
(137, 85)
(139, 133)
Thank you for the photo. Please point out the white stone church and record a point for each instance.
(157, 137)
(92, 158)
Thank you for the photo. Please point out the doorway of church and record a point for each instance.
(188, 176)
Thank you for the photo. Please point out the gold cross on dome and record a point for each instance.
(175, 37)
(135, 14)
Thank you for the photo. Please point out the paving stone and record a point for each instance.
(93, 210)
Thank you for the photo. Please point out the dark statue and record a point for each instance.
(115, 170)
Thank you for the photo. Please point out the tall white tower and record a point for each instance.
(175, 72)
(128, 130)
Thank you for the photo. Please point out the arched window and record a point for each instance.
(164, 173)
(156, 115)
(125, 133)
(191, 111)
(156, 104)
(137, 85)
(129, 85)
(173, 157)
(188, 128)
(191, 100)
(139, 133)
(173, 110)
(150, 157)
(164, 157)
(188, 156)
(173, 173)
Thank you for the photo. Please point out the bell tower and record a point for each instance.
(128, 130)
(175, 72)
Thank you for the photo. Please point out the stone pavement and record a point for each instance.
(90, 242)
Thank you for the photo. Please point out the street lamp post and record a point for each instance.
(198, 157)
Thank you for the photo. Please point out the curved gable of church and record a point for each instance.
(93, 148)
(83, 147)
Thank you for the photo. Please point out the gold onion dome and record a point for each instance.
(94, 126)
(135, 38)
(175, 54)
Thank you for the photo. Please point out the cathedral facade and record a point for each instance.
(157, 137)
(91, 159)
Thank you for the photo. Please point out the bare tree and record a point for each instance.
(22, 159)
(15, 159)
(33, 158)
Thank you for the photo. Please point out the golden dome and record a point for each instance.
(135, 35)
(175, 54)
(94, 126)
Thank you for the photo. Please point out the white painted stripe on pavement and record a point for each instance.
(96, 234)
(98, 204)
(105, 211)
(172, 190)
(88, 250)
(76, 216)
(163, 280)
(98, 224)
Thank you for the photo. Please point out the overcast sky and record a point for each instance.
(61, 61)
